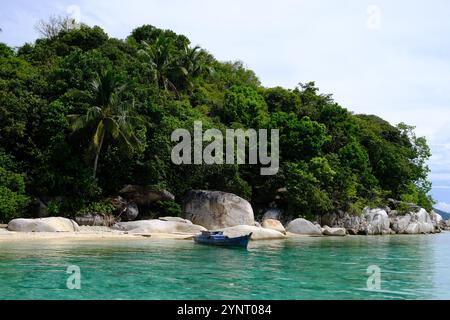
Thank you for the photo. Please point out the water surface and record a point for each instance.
(412, 267)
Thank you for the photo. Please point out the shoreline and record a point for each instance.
(88, 233)
(106, 234)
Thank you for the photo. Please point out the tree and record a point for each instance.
(109, 115)
(162, 62)
(54, 25)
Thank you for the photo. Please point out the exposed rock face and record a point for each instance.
(438, 222)
(302, 226)
(420, 223)
(216, 209)
(257, 232)
(272, 213)
(145, 195)
(377, 221)
(95, 220)
(353, 224)
(132, 211)
(327, 231)
(400, 223)
(53, 224)
(158, 226)
(274, 225)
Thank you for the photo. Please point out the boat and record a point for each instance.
(217, 238)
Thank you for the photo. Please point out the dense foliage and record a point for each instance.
(82, 114)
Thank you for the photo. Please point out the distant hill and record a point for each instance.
(445, 215)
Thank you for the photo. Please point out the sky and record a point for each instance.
(389, 58)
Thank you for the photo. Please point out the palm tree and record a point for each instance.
(162, 62)
(194, 64)
(109, 116)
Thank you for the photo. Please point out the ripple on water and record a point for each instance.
(412, 267)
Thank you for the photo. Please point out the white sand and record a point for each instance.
(88, 233)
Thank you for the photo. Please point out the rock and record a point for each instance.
(158, 226)
(216, 209)
(3, 226)
(132, 211)
(145, 195)
(39, 208)
(423, 219)
(274, 225)
(302, 226)
(53, 224)
(438, 221)
(92, 219)
(400, 223)
(377, 221)
(176, 219)
(273, 213)
(257, 224)
(413, 228)
(257, 232)
(327, 231)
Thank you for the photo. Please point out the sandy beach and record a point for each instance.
(88, 233)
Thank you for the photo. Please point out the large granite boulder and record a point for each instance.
(327, 231)
(216, 209)
(258, 233)
(438, 221)
(52, 224)
(400, 223)
(420, 223)
(303, 226)
(377, 221)
(145, 195)
(274, 225)
(158, 226)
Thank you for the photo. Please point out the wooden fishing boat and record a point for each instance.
(217, 238)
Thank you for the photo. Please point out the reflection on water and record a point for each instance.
(412, 267)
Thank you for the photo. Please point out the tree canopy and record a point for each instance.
(331, 159)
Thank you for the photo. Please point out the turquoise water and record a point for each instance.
(412, 267)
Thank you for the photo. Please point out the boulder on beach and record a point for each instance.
(377, 221)
(52, 224)
(274, 225)
(158, 226)
(258, 233)
(145, 195)
(420, 223)
(217, 209)
(303, 226)
(400, 223)
(327, 231)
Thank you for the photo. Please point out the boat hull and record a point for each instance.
(223, 241)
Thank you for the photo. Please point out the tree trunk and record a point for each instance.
(97, 154)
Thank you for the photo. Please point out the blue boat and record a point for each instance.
(217, 238)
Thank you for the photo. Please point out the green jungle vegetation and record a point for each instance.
(83, 114)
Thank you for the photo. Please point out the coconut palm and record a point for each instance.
(162, 62)
(109, 116)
